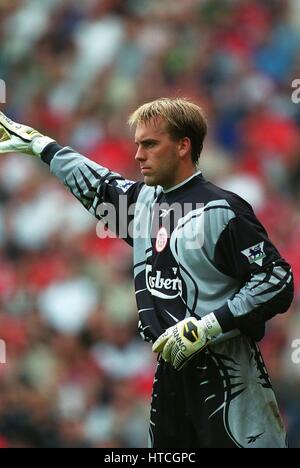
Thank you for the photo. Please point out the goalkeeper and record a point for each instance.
(207, 277)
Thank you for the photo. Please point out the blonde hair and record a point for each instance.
(183, 118)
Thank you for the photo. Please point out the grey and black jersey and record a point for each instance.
(197, 248)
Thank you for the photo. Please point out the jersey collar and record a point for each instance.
(182, 183)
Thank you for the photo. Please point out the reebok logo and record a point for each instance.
(252, 439)
(165, 212)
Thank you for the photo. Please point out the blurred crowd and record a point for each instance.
(77, 373)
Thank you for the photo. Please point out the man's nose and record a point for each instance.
(140, 155)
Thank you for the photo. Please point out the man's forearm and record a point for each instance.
(81, 175)
(266, 294)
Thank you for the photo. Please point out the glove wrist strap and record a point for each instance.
(40, 143)
(212, 326)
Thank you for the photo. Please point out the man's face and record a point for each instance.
(157, 154)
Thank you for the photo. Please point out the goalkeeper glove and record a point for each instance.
(179, 343)
(19, 138)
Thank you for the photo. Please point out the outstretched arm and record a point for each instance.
(92, 184)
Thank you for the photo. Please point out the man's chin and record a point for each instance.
(150, 181)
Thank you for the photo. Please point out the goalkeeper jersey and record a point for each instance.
(197, 248)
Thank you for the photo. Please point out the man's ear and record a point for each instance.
(184, 147)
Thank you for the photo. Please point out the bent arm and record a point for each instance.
(244, 251)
